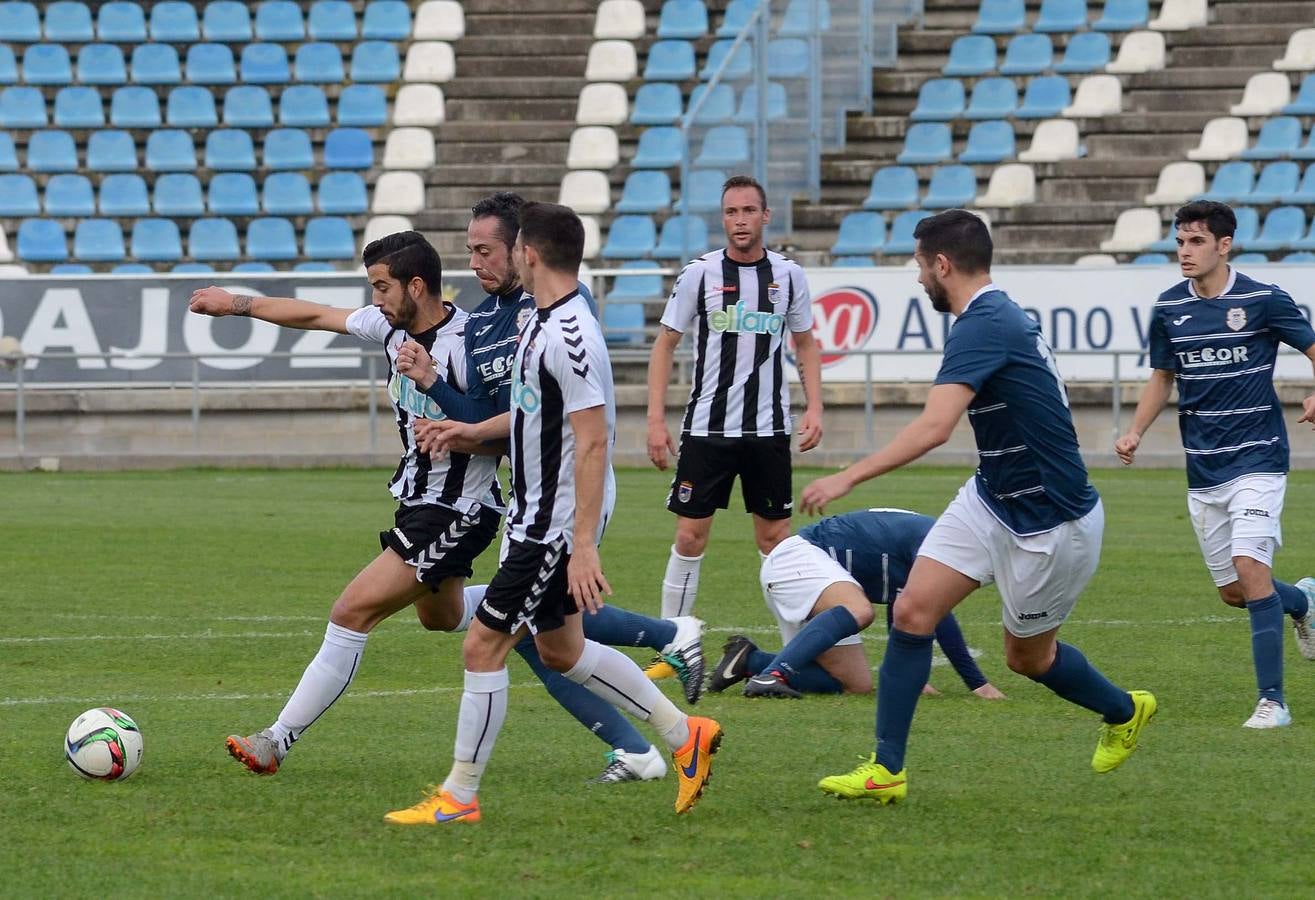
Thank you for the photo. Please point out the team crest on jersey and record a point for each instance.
(1236, 318)
(685, 491)
(522, 317)
(774, 292)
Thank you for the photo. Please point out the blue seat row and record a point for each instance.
(1279, 182)
(649, 191)
(1285, 228)
(1027, 54)
(864, 234)
(190, 268)
(688, 19)
(636, 237)
(1242, 259)
(1007, 16)
(896, 187)
(674, 60)
(723, 147)
(928, 143)
(660, 103)
(1280, 137)
(942, 99)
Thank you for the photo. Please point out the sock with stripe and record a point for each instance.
(483, 710)
(1267, 646)
(614, 676)
(619, 627)
(1294, 600)
(904, 670)
(324, 681)
(1078, 681)
(680, 584)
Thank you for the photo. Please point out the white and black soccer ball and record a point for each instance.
(103, 744)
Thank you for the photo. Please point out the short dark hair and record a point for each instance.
(556, 232)
(961, 236)
(408, 255)
(505, 206)
(1218, 217)
(744, 181)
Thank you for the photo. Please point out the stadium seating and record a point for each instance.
(133, 107)
(1141, 51)
(444, 20)
(682, 237)
(798, 20)
(989, 142)
(593, 147)
(213, 239)
(178, 194)
(1133, 231)
(211, 64)
(710, 107)
(329, 237)
(68, 23)
(1012, 184)
(658, 103)
(1151, 259)
(703, 192)
(415, 104)
(247, 106)
(1046, 96)
(79, 107)
(174, 21)
(901, 232)
(226, 21)
(1232, 183)
(1027, 54)
(602, 104)
(970, 55)
(51, 151)
(993, 98)
(288, 148)
(615, 19)
(8, 65)
(637, 282)
(230, 150)
(286, 194)
(22, 107)
(191, 107)
(279, 21)
(685, 19)
(406, 148)
(156, 240)
(1265, 94)
(939, 100)
(156, 64)
(659, 148)
(1247, 259)
(724, 147)
(1000, 17)
(1178, 182)
(18, 197)
(951, 187)
(630, 237)
(41, 240)
(623, 322)
(1093, 260)
(46, 64)
(1061, 16)
(1097, 95)
(233, 194)
(318, 64)
(124, 196)
(777, 103)
(264, 64)
(616, 60)
(170, 151)
(1300, 53)
(111, 151)
(1305, 192)
(98, 240)
(926, 142)
(1283, 228)
(1222, 138)
(1122, 15)
(331, 20)
(389, 20)
(893, 187)
(343, 193)
(645, 191)
(1085, 52)
(69, 196)
(732, 65)
(271, 239)
(1180, 15)
(1279, 137)
(583, 191)
(860, 234)
(375, 62)
(20, 23)
(1278, 181)
(101, 64)
(351, 148)
(1304, 103)
(788, 58)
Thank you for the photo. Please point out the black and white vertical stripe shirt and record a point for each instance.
(561, 367)
(457, 480)
(740, 313)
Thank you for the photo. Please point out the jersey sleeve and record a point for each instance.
(578, 370)
(588, 297)
(459, 406)
(799, 316)
(1158, 345)
(973, 353)
(369, 323)
(1288, 324)
(683, 305)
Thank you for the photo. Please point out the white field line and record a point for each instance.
(124, 700)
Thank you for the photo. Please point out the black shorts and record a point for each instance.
(439, 541)
(707, 467)
(529, 588)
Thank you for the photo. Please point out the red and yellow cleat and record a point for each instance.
(438, 808)
(694, 760)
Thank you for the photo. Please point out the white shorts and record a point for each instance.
(1240, 518)
(793, 576)
(1040, 576)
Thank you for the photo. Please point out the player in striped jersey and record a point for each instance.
(741, 303)
(1216, 335)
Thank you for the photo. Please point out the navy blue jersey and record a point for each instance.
(1222, 352)
(1029, 472)
(876, 546)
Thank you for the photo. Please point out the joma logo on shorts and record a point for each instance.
(1263, 513)
(1027, 617)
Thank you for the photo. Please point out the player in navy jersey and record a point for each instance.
(829, 575)
(1216, 335)
(1028, 519)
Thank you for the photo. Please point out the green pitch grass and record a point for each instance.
(194, 600)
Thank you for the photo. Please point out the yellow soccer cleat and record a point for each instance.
(694, 760)
(1118, 741)
(659, 669)
(438, 808)
(871, 780)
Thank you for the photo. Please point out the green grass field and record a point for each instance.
(194, 600)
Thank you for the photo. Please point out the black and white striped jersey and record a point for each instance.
(458, 480)
(740, 314)
(561, 367)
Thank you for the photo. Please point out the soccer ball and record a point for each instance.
(103, 744)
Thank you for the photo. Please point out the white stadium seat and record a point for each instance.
(586, 192)
(439, 20)
(593, 236)
(419, 104)
(1053, 140)
(611, 61)
(382, 226)
(1096, 259)
(429, 61)
(1300, 55)
(602, 104)
(619, 19)
(1266, 93)
(1180, 15)
(1141, 51)
(1178, 183)
(399, 192)
(593, 147)
(410, 148)
(1013, 184)
(1097, 95)
(1222, 138)
(1133, 230)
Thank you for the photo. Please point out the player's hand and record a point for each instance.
(822, 491)
(989, 691)
(1126, 446)
(929, 691)
(810, 430)
(1308, 411)
(585, 580)
(436, 437)
(415, 363)
(211, 301)
(659, 443)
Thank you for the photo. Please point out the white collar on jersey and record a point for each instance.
(990, 286)
(1228, 287)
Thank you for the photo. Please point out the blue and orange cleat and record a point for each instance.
(438, 808)
(694, 760)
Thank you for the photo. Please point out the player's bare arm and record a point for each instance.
(809, 362)
(1153, 398)
(584, 573)
(946, 404)
(449, 434)
(304, 314)
(414, 361)
(1308, 405)
(660, 363)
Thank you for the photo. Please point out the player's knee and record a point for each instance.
(1027, 661)
(436, 617)
(557, 659)
(1232, 595)
(862, 614)
(349, 613)
(858, 683)
(767, 538)
(690, 540)
(478, 655)
(912, 618)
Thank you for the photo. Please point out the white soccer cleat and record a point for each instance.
(624, 766)
(1303, 629)
(685, 655)
(1269, 714)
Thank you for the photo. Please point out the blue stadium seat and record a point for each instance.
(901, 232)
(313, 266)
(1248, 225)
(69, 196)
(1028, 54)
(1306, 150)
(280, 21)
(1151, 259)
(8, 65)
(156, 240)
(18, 196)
(926, 142)
(123, 196)
(121, 22)
(777, 103)
(738, 65)
(989, 142)
(659, 148)
(1279, 137)
(98, 240)
(270, 239)
(303, 106)
(623, 322)
(703, 194)
(638, 281)
(265, 64)
(669, 61)
(939, 100)
(1045, 98)
(645, 192)
(724, 147)
(375, 61)
(348, 148)
(155, 64)
(788, 58)
(213, 239)
(248, 106)
(288, 148)
(1307, 242)
(1304, 103)
(170, 150)
(233, 194)
(41, 240)
(951, 187)
(19, 23)
(1284, 226)
(46, 64)
(1061, 15)
(681, 238)
(1248, 259)
(132, 269)
(69, 23)
(193, 268)
(1166, 244)
(134, 106)
(79, 107)
(23, 107)
(174, 21)
(101, 64)
(630, 237)
(999, 17)
(1305, 192)
(329, 237)
(111, 151)
(993, 98)
(1123, 15)
(851, 262)
(178, 194)
(798, 18)
(331, 20)
(658, 103)
(737, 16)
(286, 194)
(8, 156)
(229, 150)
(319, 64)
(1085, 52)
(1232, 183)
(71, 269)
(210, 64)
(1301, 256)
(52, 151)
(893, 187)
(339, 194)
(1277, 183)
(860, 234)
(362, 105)
(717, 106)
(682, 19)
(386, 20)
(191, 107)
(226, 21)
(970, 55)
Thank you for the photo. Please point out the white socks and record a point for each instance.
(680, 585)
(324, 681)
(612, 675)
(473, 597)
(483, 710)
